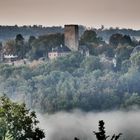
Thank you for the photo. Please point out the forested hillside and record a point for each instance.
(73, 82)
(106, 79)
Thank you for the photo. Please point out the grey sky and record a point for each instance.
(121, 13)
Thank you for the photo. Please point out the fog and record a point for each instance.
(66, 126)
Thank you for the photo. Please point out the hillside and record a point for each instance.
(73, 82)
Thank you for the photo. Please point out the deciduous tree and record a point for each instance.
(17, 122)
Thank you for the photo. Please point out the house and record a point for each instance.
(58, 51)
(71, 41)
(10, 58)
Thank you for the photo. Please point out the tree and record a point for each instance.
(91, 41)
(132, 101)
(17, 122)
(20, 48)
(125, 66)
(41, 46)
(127, 40)
(9, 47)
(117, 39)
(101, 135)
(89, 36)
(123, 52)
(135, 60)
(31, 40)
(1, 46)
(91, 63)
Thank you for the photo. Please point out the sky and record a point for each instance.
(91, 13)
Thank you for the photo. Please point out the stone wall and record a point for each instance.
(72, 37)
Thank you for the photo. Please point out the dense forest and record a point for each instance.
(72, 82)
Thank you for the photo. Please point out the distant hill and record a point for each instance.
(8, 32)
(106, 33)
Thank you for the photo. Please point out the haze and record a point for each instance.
(66, 126)
(92, 13)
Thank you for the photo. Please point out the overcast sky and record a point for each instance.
(92, 13)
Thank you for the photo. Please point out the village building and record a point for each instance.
(71, 41)
(59, 51)
(10, 58)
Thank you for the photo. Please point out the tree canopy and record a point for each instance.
(116, 39)
(17, 122)
(89, 37)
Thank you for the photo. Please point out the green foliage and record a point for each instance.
(17, 123)
(15, 47)
(9, 47)
(117, 39)
(123, 52)
(130, 81)
(132, 101)
(72, 82)
(125, 66)
(20, 46)
(89, 36)
(43, 44)
(91, 63)
(135, 59)
(91, 40)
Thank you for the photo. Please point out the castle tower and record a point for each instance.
(71, 34)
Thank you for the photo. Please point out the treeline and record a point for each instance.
(37, 47)
(9, 32)
(106, 33)
(33, 48)
(73, 82)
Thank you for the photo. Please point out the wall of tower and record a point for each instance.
(71, 34)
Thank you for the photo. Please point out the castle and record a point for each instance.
(71, 42)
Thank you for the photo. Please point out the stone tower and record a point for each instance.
(71, 34)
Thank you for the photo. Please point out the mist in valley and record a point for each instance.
(66, 126)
